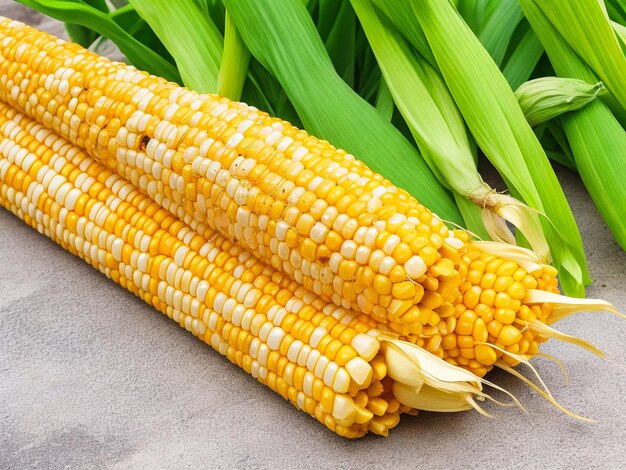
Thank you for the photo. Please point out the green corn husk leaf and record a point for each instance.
(216, 10)
(473, 217)
(441, 136)
(545, 98)
(497, 31)
(367, 73)
(476, 13)
(125, 16)
(596, 138)
(497, 123)
(616, 10)
(340, 43)
(82, 14)
(272, 91)
(524, 53)
(554, 142)
(384, 101)
(620, 31)
(506, 35)
(81, 34)
(190, 36)
(254, 94)
(234, 65)
(129, 20)
(584, 25)
(401, 16)
(324, 14)
(284, 35)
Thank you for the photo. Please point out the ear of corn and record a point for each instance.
(471, 303)
(545, 98)
(276, 201)
(98, 216)
(317, 356)
(494, 118)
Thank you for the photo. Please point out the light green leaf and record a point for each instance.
(497, 123)
(545, 98)
(384, 101)
(234, 65)
(340, 43)
(524, 53)
(587, 30)
(596, 138)
(437, 126)
(496, 34)
(402, 17)
(190, 36)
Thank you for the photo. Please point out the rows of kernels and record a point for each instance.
(328, 319)
(490, 309)
(253, 270)
(321, 231)
(243, 296)
(279, 383)
(132, 279)
(100, 258)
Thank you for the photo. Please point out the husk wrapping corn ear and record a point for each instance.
(545, 98)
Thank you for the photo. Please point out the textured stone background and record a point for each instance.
(92, 377)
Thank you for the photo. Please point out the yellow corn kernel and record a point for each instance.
(484, 354)
(509, 335)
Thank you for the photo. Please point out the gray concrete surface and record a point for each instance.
(91, 377)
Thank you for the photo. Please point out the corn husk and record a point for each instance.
(234, 64)
(497, 123)
(585, 26)
(545, 98)
(437, 126)
(596, 137)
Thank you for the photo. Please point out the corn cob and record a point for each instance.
(70, 91)
(316, 355)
